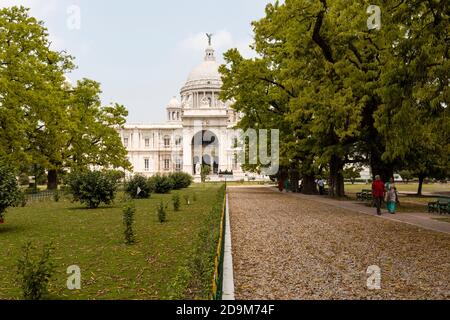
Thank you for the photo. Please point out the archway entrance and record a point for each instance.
(205, 152)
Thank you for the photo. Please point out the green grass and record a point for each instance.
(402, 187)
(93, 240)
(443, 219)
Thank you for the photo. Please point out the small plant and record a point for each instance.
(176, 202)
(162, 215)
(56, 196)
(35, 272)
(187, 201)
(194, 197)
(206, 171)
(129, 210)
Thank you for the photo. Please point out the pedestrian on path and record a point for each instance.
(321, 184)
(391, 199)
(378, 192)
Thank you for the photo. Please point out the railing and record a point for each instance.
(40, 196)
(216, 293)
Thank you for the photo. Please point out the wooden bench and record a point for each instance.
(364, 195)
(441, 206)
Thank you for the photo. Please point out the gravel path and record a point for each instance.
(291, 248)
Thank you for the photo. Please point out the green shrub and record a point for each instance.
(9, 189)
(161, 184)
(56, 196)
(206, 171)
(186, 199)
(161, 211)
(176, 202)
(24, 180)
(129, 210)
(92, 187)
(34, 272)
(138, 187)
(194, 197)
(181, 180)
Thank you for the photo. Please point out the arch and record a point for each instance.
(205, 146)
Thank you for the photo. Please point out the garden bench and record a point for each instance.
(364, 195)
(441, 206)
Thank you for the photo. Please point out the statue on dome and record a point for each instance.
(209, 35)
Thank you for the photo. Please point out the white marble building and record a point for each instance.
(198, 130)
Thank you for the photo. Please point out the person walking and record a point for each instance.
(378, 192)
(321, 184)
(392, 199)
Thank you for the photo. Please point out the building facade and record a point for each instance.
(198, 131)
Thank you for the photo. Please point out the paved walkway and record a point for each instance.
(420, 219)
(291, 247)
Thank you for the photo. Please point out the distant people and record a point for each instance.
(378, 192)
(321, 185)
(280, 185)
(388, 184)
(392, 199)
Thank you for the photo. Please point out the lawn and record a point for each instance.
(402, 187)
(93, 240)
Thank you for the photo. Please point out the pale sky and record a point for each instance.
(142, 51)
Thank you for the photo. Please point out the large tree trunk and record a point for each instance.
(294, 178)
(337, 188)
(421, 180)
(309, 185)
(52, 180)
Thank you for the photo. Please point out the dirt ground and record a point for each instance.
(290, 248)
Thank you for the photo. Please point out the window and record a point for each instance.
(179, 165)
(125, 142)
(167, 164)
(166, 141)
(147, 142)
(178, 141)
(146, 164)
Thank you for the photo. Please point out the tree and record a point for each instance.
(206, 171)
(44, 121)
(341, 93)
(352, 173)
(9, 189)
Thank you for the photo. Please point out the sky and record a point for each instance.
(141, 51)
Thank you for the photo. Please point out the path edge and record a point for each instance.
(228, 274)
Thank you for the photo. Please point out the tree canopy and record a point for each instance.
(342, 93)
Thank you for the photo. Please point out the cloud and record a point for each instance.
(222, 41)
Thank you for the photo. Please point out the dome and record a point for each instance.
(206, 75)
(174, 103)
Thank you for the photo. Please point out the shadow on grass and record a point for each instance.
(8, 228)
(90, 209)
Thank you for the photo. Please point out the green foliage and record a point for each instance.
(161, 184)
(129, 211)
(194, 197)
(352, 174)
(138, 183)
(340, 93)
(50, 123)
(92, 187)
(56, 196)
(162, 212)
(34, 272)
(176, 201)
(406, 175)
(181, 180)
(9, 189)
(201, 268)
(206, 171)
(24, 180)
